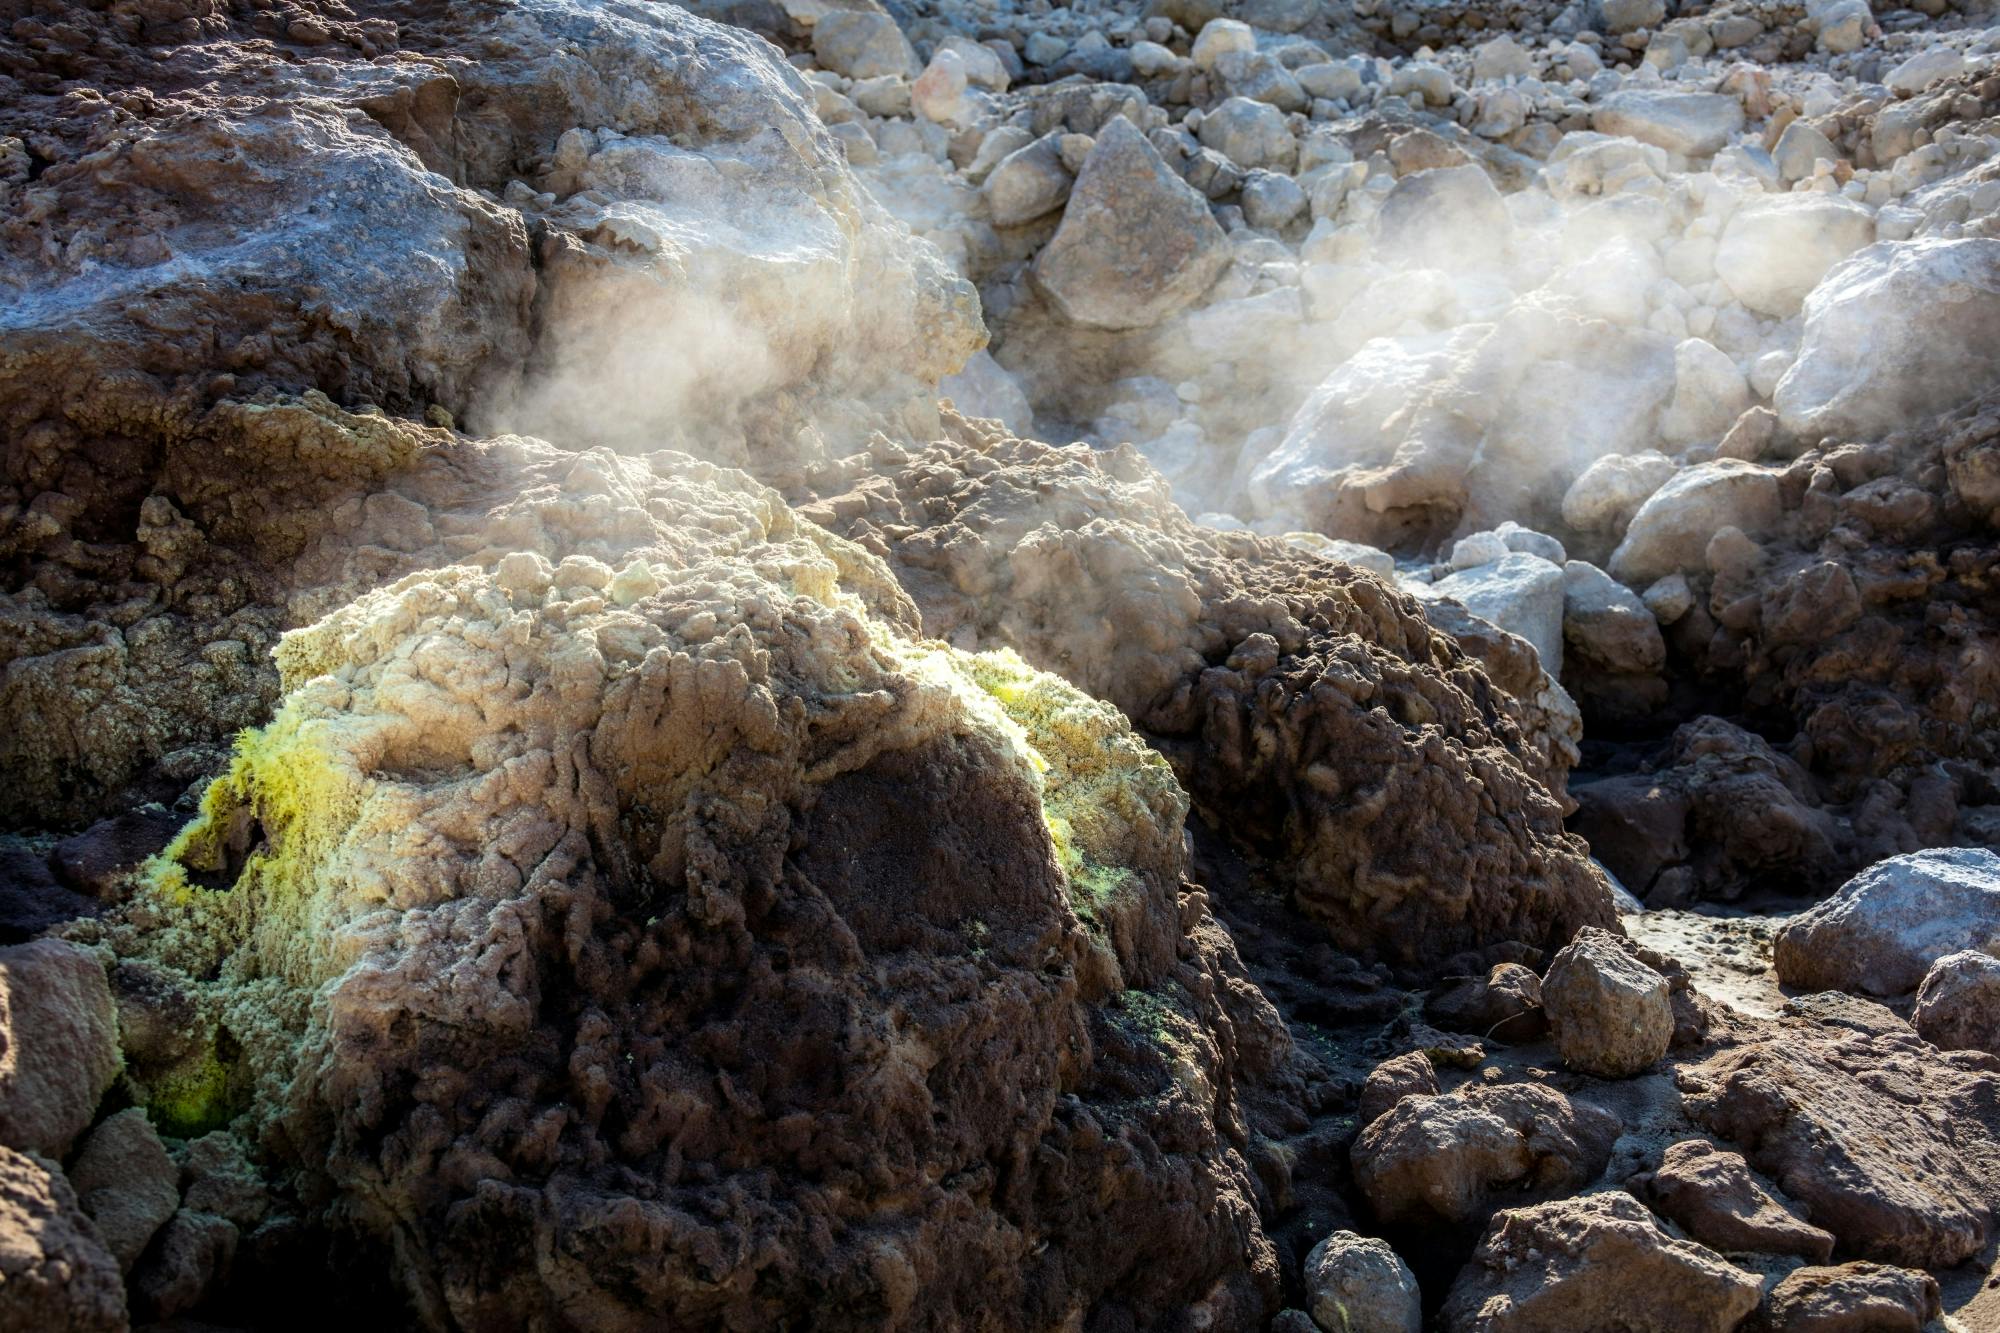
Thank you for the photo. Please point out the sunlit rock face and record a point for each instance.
(631, 920)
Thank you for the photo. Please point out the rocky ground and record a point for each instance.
(974, 665)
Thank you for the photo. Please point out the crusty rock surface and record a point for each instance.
(1888, 1143)
(1453, 1159)
(1714, 1196)
(1609, 1013)
(1600, 1261)
(1285, 690)
(55, 1273)
(689, 746)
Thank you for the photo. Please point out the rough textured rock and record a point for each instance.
(1595, 1262)
(1885, 927)
(58, 1044)
(191, 1257)
(1454, 1158)
(1408, 1075)
(1853, 1298)
(1357, 1282)
(1892, 335)
(1609, 1012)
(190, 255)
(1958, 1004)
(127, 1183)
(1713, 1196)
(1284, 689)
(920, 909)
(1892, 1147)
(1136, 244)
(55, 1273)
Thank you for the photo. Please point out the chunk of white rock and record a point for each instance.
(1671, 531)
(1709, 394)
(1776, 249)
(1893, 334)
(1606, 624)
(1691, 124)
(1522, 594)
(1880, 933)
(1610, 490)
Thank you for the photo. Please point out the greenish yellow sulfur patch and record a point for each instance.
(193, 1099)
(1106, 795)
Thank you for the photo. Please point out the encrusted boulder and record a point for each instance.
(1452, 1159)
(1598, 1262)
(1958, 1004)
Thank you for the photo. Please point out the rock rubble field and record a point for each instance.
(1328, 666)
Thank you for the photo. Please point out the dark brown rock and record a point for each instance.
(1715, 1198)
(1853, 1298)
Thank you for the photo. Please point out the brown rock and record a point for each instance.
(1505, 1005)
(1599, 1262)
(1451, 1158)
(55, 1274)
(1958, 1006)
(127, 1183)
(1714, 1197)
(1408, 1075)
(1891, 1146)
(1610, 1013)
(58, 1044)
(1853, 1298)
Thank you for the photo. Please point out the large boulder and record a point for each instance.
(1599, 1262)
(58, 1044)
(862, 44)
(1609, 1012)
(1882, 931)
(1892, 1146)
(55, 1274)
(1671, 531)
(1776, 248)
(639, 845)
(1136, 244)
(1692, 124)
(1958, 1004)
(1893, 334)
(1453, 1159)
